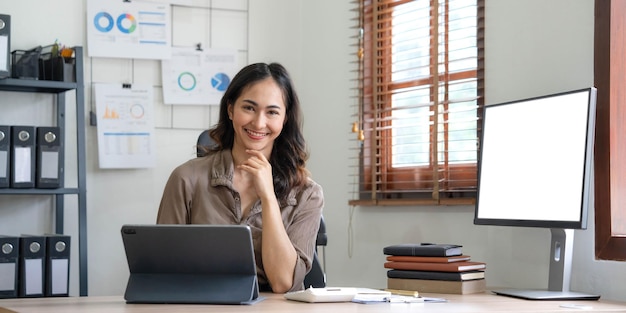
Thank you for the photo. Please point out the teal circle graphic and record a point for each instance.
(186, 81)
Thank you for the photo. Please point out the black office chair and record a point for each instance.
(316, 277)
(204, 144)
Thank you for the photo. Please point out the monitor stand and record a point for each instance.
(561, 247)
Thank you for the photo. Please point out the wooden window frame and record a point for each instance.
(377, 180)
(610, 151)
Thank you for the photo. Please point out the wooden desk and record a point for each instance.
(276, 303)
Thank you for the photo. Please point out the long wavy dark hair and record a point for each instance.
(289, 154)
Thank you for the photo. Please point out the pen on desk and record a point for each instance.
(410, 293)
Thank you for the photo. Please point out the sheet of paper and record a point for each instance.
(125, 126)
(197, 77)
(7, 272)
(33, 283)
(132, 29)
(22, 164)
(59, 268)
(4, 50)
(4, 159)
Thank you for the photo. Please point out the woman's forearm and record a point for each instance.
(279, 255)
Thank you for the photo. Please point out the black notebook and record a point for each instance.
(423, 249)
(433, 275)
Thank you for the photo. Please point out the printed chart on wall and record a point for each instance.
(132, 29)
(125, 126)
(197, 77)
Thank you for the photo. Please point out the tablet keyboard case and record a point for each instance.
(209, 264)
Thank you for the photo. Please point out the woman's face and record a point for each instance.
(258, 116)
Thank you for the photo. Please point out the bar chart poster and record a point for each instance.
(125, 119)
(133, 29)
(197, 77)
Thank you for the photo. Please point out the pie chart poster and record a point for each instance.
(120, 29)
(197, 77)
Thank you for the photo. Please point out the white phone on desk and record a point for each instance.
(326, 294)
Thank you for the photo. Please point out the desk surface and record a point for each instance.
(276, 303)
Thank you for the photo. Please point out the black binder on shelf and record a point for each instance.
(32, 266)
(23, 156)
(9, 263)
(57, 265)
(5, 156)
(49, 157)
(5, 45)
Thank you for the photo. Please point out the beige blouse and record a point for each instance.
(200, 191)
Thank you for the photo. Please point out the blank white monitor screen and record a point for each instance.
(535, 162)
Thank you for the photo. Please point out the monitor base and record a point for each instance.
(545, 294)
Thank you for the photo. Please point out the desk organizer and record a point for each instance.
(25, 63)
(57, 68)
(52, 66)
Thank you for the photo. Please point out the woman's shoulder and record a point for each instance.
(310, 189)
(312, 185)
(194, 163)
(217, 162)
(310, 196)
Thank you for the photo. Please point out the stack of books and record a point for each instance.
(433, 268)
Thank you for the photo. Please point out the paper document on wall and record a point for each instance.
(125, 29)
(197, 77)
(125, 126)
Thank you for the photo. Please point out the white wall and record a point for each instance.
(533, 48)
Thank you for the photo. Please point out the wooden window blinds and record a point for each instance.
(420, 94)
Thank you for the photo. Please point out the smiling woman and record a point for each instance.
(258, 116)
(255, 175)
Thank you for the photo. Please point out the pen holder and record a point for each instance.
(25, 63)
(57, 68)
(53, 65)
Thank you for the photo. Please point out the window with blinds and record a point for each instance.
(420, 94)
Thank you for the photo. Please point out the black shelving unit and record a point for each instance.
(59, 89)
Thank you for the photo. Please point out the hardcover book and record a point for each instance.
(438, 286)
(423, 249)
(450, 276)
(428, 259)
(438, 267)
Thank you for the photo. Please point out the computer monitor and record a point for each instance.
(535, 171)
